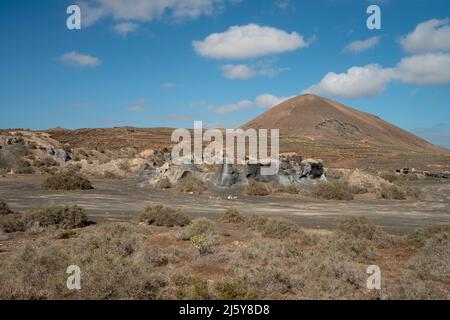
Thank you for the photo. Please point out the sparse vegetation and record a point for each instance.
(63, 217)
(24, 167)
(333, 190)
(163, 216)
(190, 184)
(68, 180)
(128, 261)
(232, 216)
(392, 192)
(255, 188)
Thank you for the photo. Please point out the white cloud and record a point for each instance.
(79, 59)
(125, 28)
(244, 104)
(362, 45)
(366, 81)
(139, 106)
(268, 100)
(426, 69)
(168, 85)
(249, 41)
(147, 10)
(429, 36)
(244, 71)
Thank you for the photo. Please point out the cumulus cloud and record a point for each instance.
(125, 28)
(244, 71)
(426, 69)
(266, 101)
(269, 101)
(429, 36)
(78, 59)
(366, 81)
(362, 45)
(147, 10)
(139, 106)
(233, 107)
(248, 41)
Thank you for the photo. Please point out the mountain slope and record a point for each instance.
(319, 119)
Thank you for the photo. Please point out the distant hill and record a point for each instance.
(318, 127)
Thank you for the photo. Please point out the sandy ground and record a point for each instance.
(124, 199)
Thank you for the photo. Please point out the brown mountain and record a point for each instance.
(320, 127)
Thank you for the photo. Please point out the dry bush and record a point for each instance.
(24, 167)
(114, 262)
(232, 216)
(289, 190)
(163, 216)
(327, 274)
(413, 193)
(190, 184)
(358, 237)
(109, 175)
(34, 273)
(46, 162)
(62, 217)
(419, 237)
(390, 176)
(433, 260)
(360, 227)
(255, 188)
(68, 180)
(164, 183)
(333, 190)
(234, 289)
(392, 192)
(278, 228)
(4, 209)
(409, 287)
(190, 288)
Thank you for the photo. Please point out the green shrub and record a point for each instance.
(163, 216)
(4, 208)
(333, 190)
(198, 227)
(232, 216)
(202, 243)
(392, 192)
(255, 188)
(67, 181)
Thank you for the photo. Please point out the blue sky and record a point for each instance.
(155, 63)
